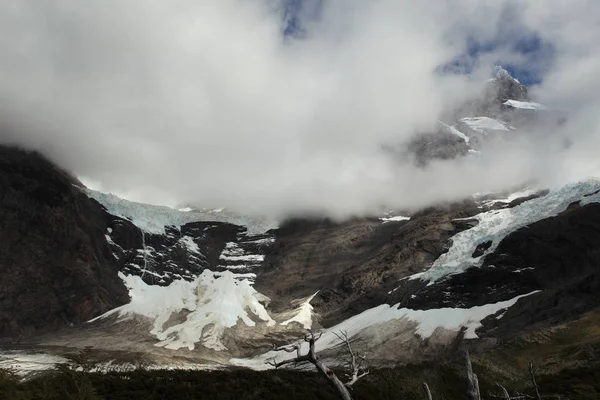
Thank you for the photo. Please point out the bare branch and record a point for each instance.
(505, 394)
(355, 362)
(473, 382)
(290, 349)
(362, 359)
(537, 392)
(522, 396)
(296, 360)
(343, 336)
(427, 391)
(311, 337)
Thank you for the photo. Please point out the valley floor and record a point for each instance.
(566, 359)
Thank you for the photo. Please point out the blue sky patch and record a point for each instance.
(532, 56)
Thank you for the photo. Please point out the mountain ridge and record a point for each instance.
(213, 289)
(353, 290)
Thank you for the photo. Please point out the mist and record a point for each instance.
(207, 102)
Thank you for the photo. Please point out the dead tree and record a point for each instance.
(473, 382)
(535, 386)
(355, 363)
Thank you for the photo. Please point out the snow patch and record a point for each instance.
(496, 224)
(26, 363)
(393, 219)
(525, 105)
(190, 245)
(304, 314)
(427, 321)
(513, 196)
(154, 219)
(245, 257)
(235, 257)
(212, 302)
(518, 271)
(500, 72)
(454, 131)
(485, 124)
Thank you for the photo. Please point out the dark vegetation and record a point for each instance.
(401, 383)
(446, 380)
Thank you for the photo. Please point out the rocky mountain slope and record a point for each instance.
(56, 267)
(206, 288)
(203, 292)
(502, 112)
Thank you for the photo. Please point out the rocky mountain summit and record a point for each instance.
(502, 111)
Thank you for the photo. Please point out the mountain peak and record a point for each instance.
(503, 86)
(501, 73)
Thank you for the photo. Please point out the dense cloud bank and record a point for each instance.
(206, 101)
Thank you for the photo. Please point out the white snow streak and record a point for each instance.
(525, 105)
(513, 196)
(484, 124)
(234, 253)
(454, 131)
(394, 219)
(304, 314)
(154, 219)
(190, 245)
(427, 322)
(495, 225)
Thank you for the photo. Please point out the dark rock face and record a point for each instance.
(521, 200)
(181, 253)
(56, 267)
(445, 144)
(61, 252)
(503, 87)
(481, 248)
(355, 264)
(558, 256)
(564, 258)
(178, 254)
(437, 146)
(490, 102)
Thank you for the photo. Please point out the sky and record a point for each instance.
(535, 53)
(280, 106)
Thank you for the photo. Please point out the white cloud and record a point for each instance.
(203, 101)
